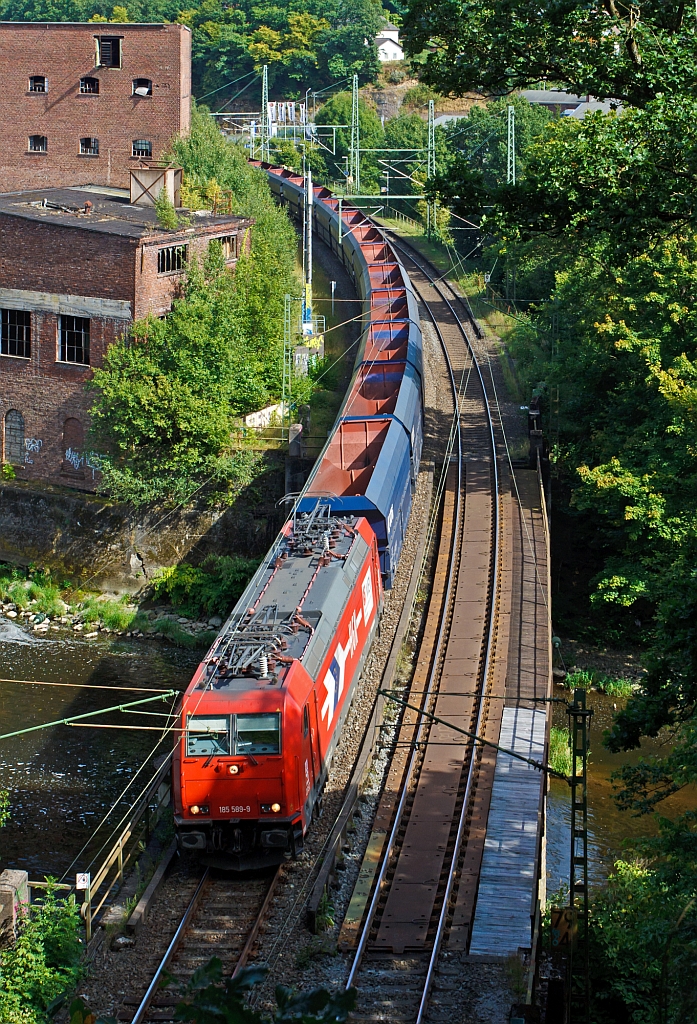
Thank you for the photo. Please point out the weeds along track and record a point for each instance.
(423, 898)
(221, 917)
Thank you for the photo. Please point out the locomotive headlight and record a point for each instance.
(195, 809)
(275, 808)
(233, 769)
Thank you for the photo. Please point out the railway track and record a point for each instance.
(423, 900)
(222, 918)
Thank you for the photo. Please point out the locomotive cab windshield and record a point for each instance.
(233, 734)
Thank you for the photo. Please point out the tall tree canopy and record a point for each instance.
(629, 51)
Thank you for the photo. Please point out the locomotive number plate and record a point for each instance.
(236, 810)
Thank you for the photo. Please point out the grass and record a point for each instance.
(117, 614)
(590, 680)
(36, 590)
(559, 752)
(179, 636)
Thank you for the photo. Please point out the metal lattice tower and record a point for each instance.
(354, 181)
(265, 127)
(287, 358)
(431, 156)
(431, 211)
(510, 175)
(579, 726)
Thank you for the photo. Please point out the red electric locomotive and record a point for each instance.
(263, 714)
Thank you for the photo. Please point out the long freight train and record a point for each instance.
(264, 712)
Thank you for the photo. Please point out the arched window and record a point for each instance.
(89, 86)
(73, 440)
(142, 87)
(38, 144)
(14, 437)
(38, 83)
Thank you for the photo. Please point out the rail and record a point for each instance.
(442, 921)
(369, 917)
(456, 435)
(178, 939)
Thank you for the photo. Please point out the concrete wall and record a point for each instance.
(84, 537)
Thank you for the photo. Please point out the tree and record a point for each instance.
(608, 48)
(166, 397)
(337, 111)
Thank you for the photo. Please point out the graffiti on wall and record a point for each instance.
(91, 460)
(33, 445)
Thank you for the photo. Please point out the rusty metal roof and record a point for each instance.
(110, 212)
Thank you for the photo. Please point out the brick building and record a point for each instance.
(77, 265)
(83, 103)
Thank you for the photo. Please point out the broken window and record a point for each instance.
(14, 437)
(229, 244)
(38, 83)
(38, 144)
(142, 147)
(89, 86)
(109, 51)
(142, 87)
(74, 339)
(89, 147)
(15, 332)
(171, 258)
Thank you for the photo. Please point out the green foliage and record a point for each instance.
(180, 638)
(209, 998)
(326, 913)
(117, 614)
(559, 753)
(8, 471)
(5, 809)
(644, 935)
(35, 588)
(166, 213)
(585, 680)
(608, 48)
(43, 963)
(338, 111)
(213, 587)
(418, 96)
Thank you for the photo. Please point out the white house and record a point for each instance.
(387, 42)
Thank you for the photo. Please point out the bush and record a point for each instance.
(418, 96)
(589, 680)
(167, 398)
(212, 588)
(44, 961)
(114, 614)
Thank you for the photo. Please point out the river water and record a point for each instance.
(611, 830)
(63, 780)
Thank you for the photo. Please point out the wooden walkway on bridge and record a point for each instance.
(507, 896)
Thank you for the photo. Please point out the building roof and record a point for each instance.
(99, 27)
(111, 211)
